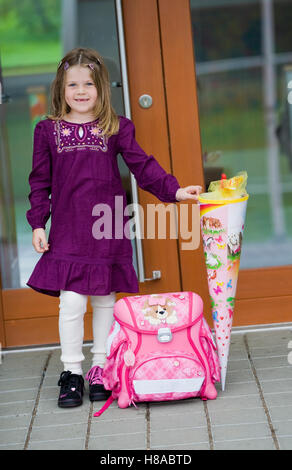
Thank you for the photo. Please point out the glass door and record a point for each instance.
(34, 37)
(27, 30)
(234, 70)
(243, 59)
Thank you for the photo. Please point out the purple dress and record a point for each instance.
(79, 168)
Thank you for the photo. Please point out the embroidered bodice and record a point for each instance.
(69, 136)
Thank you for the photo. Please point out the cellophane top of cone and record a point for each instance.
(226, 190)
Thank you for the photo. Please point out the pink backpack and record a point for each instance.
(160, 347)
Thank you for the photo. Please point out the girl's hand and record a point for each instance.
(189, 192)
(39, 240)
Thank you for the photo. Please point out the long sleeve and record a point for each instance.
(40, 180)
(149, 174)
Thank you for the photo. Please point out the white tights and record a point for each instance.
(72, 308)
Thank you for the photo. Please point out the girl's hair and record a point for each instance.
(108, 119)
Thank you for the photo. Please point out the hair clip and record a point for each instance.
(91, 65)
(66, 66)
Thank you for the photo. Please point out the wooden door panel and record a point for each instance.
(184, 129)
(39, 330)
(265, 282)
(260, 292)
(145, 73)
(263, 310)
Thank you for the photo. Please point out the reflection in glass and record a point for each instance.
(242, 49)
(35, 36)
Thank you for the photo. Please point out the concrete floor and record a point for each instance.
(254, 411)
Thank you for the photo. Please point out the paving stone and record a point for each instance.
(194, 405)
(76, 416)
(186, 435)
(185, 446)
(224, 417)
(23, 359)
(264, 338)
(236, 354)
(237, 417)
(270, 362)
(118, 441)
(16, 384)
(269, 351)
(114, 412)
(240, 431)
(51, 378)
(28, 372)
(68, 431)
(283, 428)
(61, 444)
(285, 443)
(18, 367)
(238, 364)
(236, 343)
(281, 413)
(51, 405)
(18, 446)
(18, 395)
(119, 426)
(15, 422)
(176, 421)
(234, 376)
(278, 398)
(231, 403)
(238, 389)
(13, 436)
(17, 408)
(276, 385)
(275, 373)
(266, 443)
(237, 339)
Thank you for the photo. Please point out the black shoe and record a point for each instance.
(97, 392)
(72, 389)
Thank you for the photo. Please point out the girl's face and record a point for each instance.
(80, 90)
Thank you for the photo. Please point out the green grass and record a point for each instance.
(30, 57)
(232, 129)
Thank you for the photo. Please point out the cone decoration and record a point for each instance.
(222, 214)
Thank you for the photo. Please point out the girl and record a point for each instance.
(75, 161)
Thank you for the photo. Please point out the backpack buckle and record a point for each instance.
(164, 335)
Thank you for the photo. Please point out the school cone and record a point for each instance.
(222, 216)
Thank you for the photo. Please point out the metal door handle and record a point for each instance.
(155, 275)
(145, 101)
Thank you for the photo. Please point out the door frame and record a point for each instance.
(31, 317)
(159, 62)
(264, 295)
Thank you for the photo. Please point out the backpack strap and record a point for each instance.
(105, 406)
